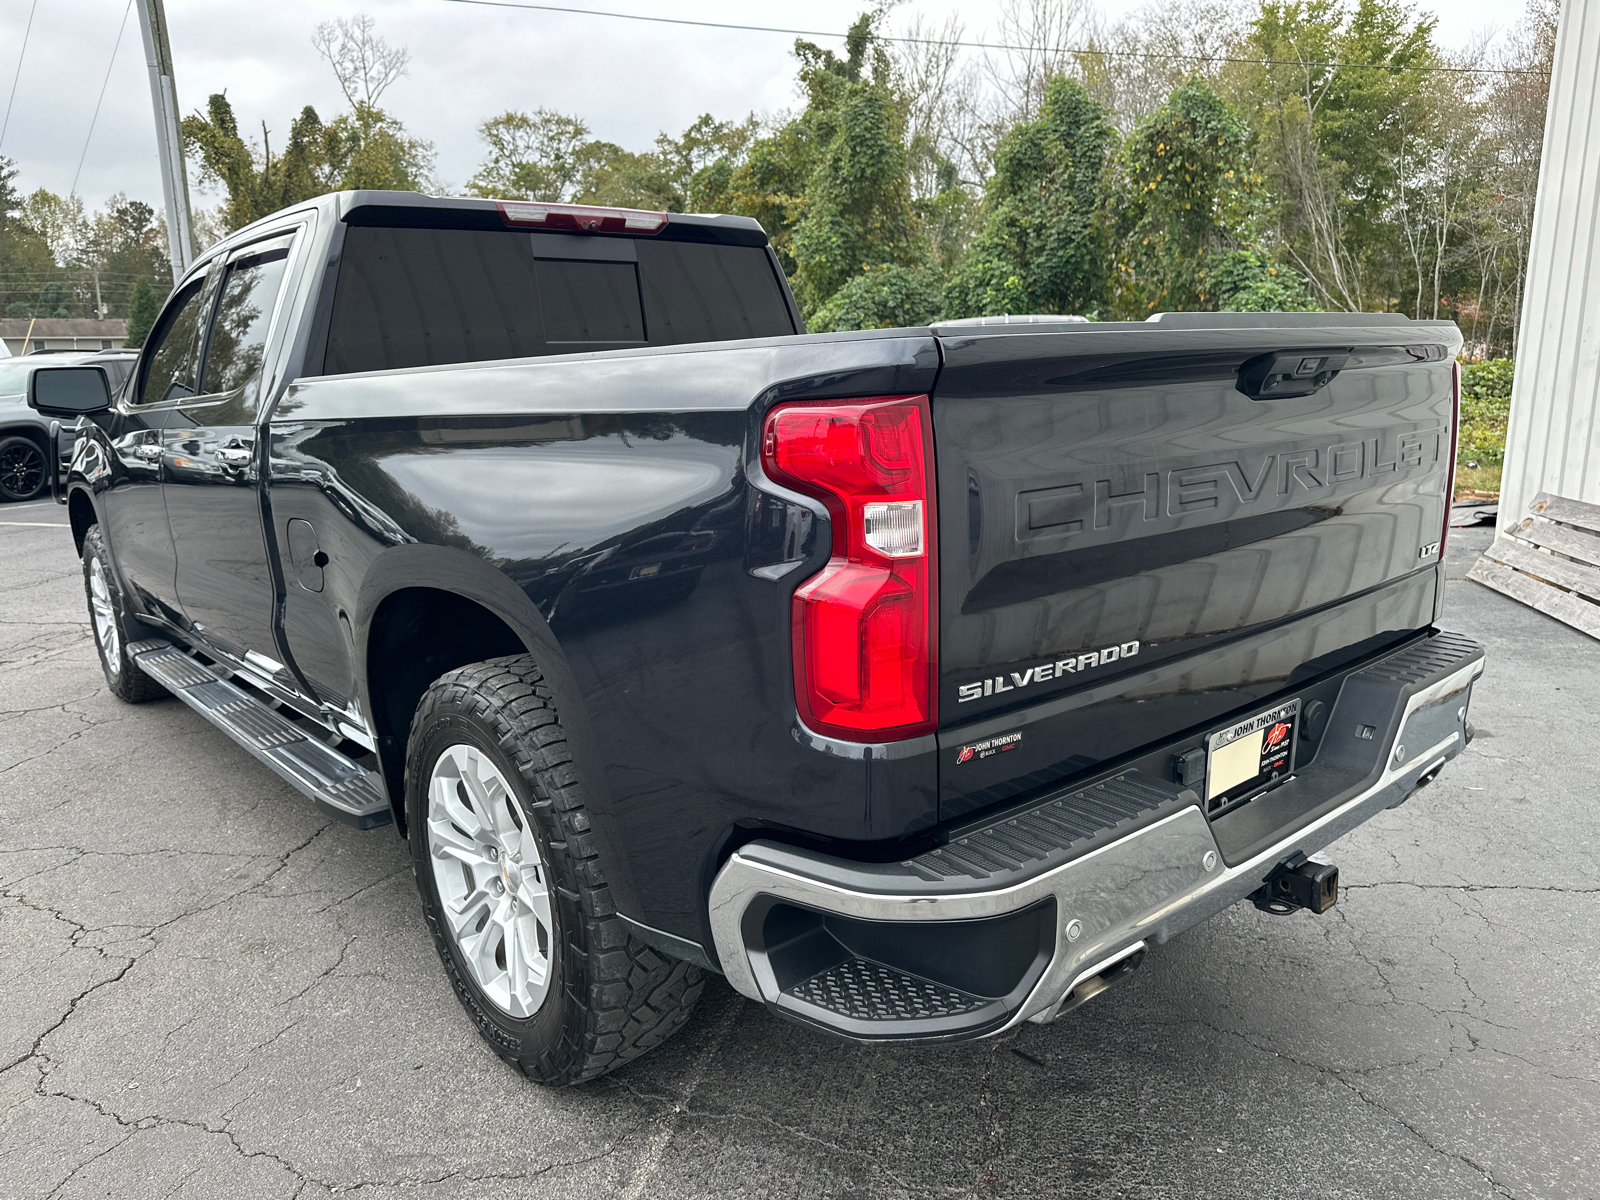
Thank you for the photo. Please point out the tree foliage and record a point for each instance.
(143, 308)
(59, 260)
(1042, 247)
(856, 213)
(546, 155)
(881, 297)
(1197, 155)
(365, 148)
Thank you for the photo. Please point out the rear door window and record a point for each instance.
(420, 297)
(237, 346)
(695, 292)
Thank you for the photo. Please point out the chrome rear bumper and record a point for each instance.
(1142, 888)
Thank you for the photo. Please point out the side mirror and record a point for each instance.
(69, 391)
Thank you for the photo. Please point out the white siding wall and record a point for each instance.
(1553, 444)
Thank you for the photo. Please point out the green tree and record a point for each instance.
(26, 263)
(363, 148)
(143, 308)
(369, 148)
(855, 213)
(1333, 142)
(545, 155)
(366, 148)
(768, 185)
(703, 157)
(1042, 245)
(256, 183)
(1248, 280)
(124, 245)
(1185, 232)
(50, 300)
(534, 155)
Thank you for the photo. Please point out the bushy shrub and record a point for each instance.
(881, 297)
(1485, 406)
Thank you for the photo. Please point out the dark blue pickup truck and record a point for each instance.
(918, 681)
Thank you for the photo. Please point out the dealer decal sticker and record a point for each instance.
(989, 747)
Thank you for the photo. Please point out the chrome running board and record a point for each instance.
(340, 785)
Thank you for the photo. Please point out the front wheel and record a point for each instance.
(23, 468)
(114, 628)
(512, 888)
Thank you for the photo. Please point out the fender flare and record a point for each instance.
(447, 569)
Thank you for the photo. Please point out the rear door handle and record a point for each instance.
(233, 456)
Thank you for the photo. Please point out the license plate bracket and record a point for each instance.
(1251, 756)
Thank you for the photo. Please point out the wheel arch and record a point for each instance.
(82, 514)
(433, 609)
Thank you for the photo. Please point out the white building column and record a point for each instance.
(1553, 443)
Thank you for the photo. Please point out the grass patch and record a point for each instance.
(1478, 483)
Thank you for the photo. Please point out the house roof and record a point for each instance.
(63, 327)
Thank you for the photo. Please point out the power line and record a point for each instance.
(923, 41)
(20, 56)
(115, 46)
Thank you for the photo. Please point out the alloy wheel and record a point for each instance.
(493, 887)
(21, 469)
(105, 616)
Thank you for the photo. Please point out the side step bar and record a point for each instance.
(343, 787)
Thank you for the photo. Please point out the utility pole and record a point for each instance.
(169, 144)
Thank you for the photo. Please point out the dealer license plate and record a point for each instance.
(1245, 759)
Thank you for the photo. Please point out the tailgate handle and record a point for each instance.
(1285, 374)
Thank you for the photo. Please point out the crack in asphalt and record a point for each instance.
(148, 932)
(1470, 887)
(1371, 1102)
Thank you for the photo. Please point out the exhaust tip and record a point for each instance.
(1096, 979)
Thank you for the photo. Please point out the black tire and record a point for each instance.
(24, 468)
(609, 997)
(113, 627)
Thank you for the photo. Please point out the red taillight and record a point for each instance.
(582, 217)
(1455, 443)
(864, 627)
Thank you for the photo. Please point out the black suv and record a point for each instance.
(24, 434)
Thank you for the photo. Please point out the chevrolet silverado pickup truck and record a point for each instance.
(918, 681)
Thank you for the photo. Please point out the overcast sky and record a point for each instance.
(627, 79)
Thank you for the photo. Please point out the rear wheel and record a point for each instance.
(113, 627)
(512, 888)
(22, 468)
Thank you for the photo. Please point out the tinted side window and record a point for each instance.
(117, 369)
(238, 341)
(417, 297)
(174, 350)
(420, 297)
(696, 292)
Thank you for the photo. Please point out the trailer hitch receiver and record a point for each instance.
(1299, 882)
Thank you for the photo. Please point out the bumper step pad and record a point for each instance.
(340, 785)
(864, 990)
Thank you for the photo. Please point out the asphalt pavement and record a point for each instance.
(208, 989)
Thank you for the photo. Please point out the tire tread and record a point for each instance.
(634, 998)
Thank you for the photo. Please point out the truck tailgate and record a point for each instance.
(1132, 548)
